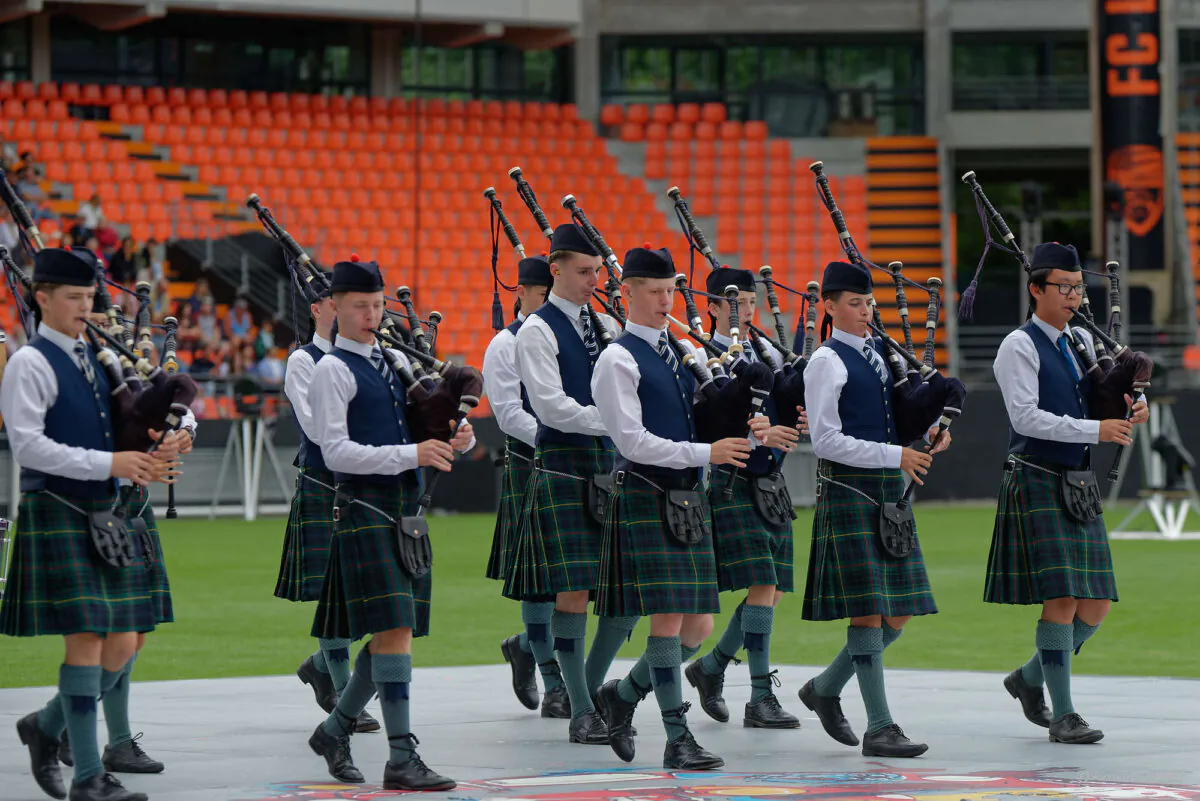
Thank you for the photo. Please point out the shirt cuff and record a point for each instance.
(703, 454)
(1092, 429)
(102, 464)
(892, 456)
(470, 445)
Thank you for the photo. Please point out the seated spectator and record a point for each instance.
(244, 359)
(200, 292)
(270, 369)
(212, 334)
(264, 343)
(160, 297)
(239, 323)
(189, 332)
(90, 214)
(154, 258)
(30, 190)
(10, 235)
(123, 266)
(107, 236)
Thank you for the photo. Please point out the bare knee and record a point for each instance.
(667, 625)
(777, 598)
(867, 622)
(761, 595)
(117, 650)
(695, 629)
(141, 642)
(897, 623)
(1059, 610)
(395, 641)
(83, 649)
(573, 602)
(1093, 612)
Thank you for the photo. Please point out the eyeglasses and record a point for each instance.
(1066, 290)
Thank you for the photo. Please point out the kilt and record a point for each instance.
(160, 587)
(643, 570)
(849, 575)
(748, 550)
(57, 585)
(558, 542)
(518, 466)
(306, 542)
(365, 589)
(1039, 553)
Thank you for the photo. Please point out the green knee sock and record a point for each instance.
(334, 660)
(834, 678)
(536, 617)
(354, 698)
(756, 628)
(716, 660)
(80, 687)
(569, 630)
(866, 654)
(392, 674)
(1054, 647)
(318, 660)
(114, 689)
(1031, 671)
(637, 685)
(663, 657)
(611, 634)
(52, 718)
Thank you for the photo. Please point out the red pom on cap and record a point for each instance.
(354, 257)
(646, 245)
(726, 266)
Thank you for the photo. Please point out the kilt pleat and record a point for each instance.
(643, 570)
(848, 573)
(558, 541)
(749, 551)
(1038, 552)
(306, 541)
(365, 590)
(57, 585)
(160, 586)
(518, 466)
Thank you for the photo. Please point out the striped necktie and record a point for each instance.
(589, 334)
(668, 354)
(85, 363)
(875, 360)
(1065, 347)
(380, 364)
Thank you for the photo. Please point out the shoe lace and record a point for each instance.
(772, 677)
(110, 780)
(414, 759)
(550, 667)
(137, 749)
(1077, 719)
(679, 714)
(772, 702)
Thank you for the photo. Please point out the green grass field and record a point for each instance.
(229, 624)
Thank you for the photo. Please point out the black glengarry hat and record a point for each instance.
(534, 271)
(646, 262)
(727, 276)
(568, 237)
(1053, 256)
(842, 276)
(356, 276)
(66, 267)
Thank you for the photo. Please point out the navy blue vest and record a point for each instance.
(666, 398)
(865, 405)
(575, 367)
(763, 460)
(376, 415)
(310, 452)
(1059, 394)
(80, 417)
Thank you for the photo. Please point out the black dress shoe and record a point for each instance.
(604, 716)
(767, 713)
(365, 723)
(890, 741)
(415, 775)
(321, 684)
(1033, 699)
(336, 751)
(104, 787)
(130, 758)
(524, 668)
(829, 710)
(43, 756)
(684, 753)
(1074, 730)
(588, 729)
(619, 714)
(64, 751)
(710, 689)
(556, 703)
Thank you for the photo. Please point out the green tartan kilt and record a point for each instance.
(57, 585)
(849, 575)
(366, 591)
(160, 586)
(1038, 552)
(643, 570)
(306, 542)
(518, 466)
(558, 541)
(749, 552)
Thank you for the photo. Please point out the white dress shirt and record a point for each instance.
(615, 389)
(824, 378)
(1016, 369)
(537, 365)
(296, 381)
(502, 385)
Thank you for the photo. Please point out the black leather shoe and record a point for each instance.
(104, 787)
(130, 758)
(768, 714)
(365, 723)
(619, 714)
(829, 710)
(415, 775)
(64, 751)
(890, 741)
(1033, 699)
(684, 753)
(43, 756)
(604, 716)
(524, 668)
(556, 703)
(1074, 730)
(588, 729)
(321, 684)
(710, 689)
(336, 751)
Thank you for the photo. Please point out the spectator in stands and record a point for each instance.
(90, 215)
(264, 343)
(93, 244)
(270, 369)
(160, 297)
(10, 235)
(68, 240)
(212, 334)
(200, 292)
(123, 266)
(154, 257)
(31, 192)
(239, 323)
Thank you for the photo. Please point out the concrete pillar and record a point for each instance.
(587, 61)
(39, 48)
(939, 89)
(385, 62)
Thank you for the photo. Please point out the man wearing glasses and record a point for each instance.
(1045, 550)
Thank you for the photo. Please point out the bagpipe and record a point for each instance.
(1114, 369)
(499, 222)
(439, 394)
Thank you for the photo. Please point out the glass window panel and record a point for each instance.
(741, 68)
(697, 70)
(14, 51)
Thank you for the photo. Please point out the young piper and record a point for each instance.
(62, 582)
(558, 542)
(358, 408)
(531, 650)
(651, 566)
(1041, 554)
(310, 521)
(753, 553)
(848, 397)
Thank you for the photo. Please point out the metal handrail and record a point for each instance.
(1021, 92)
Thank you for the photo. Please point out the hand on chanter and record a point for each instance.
(937, 442)
(462, 435)
(435, 453)
(783, 438)
(1141, 411)
(915, 463)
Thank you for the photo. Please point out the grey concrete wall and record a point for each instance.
(1015, 130)
(1019, 15)
(759, 16)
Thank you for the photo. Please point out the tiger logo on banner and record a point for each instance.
(1138, 169)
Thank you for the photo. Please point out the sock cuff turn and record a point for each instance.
(536, 611)
(79, 680)
(686, 652)
(1082, 632)
(757, 619)
(863, 640)
(625, 624)
(330, 644)
(362, 663)
(391, 668)
(568, 625)
(1055, 636)
(109, 679)
(890, 635)
(664, 652)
